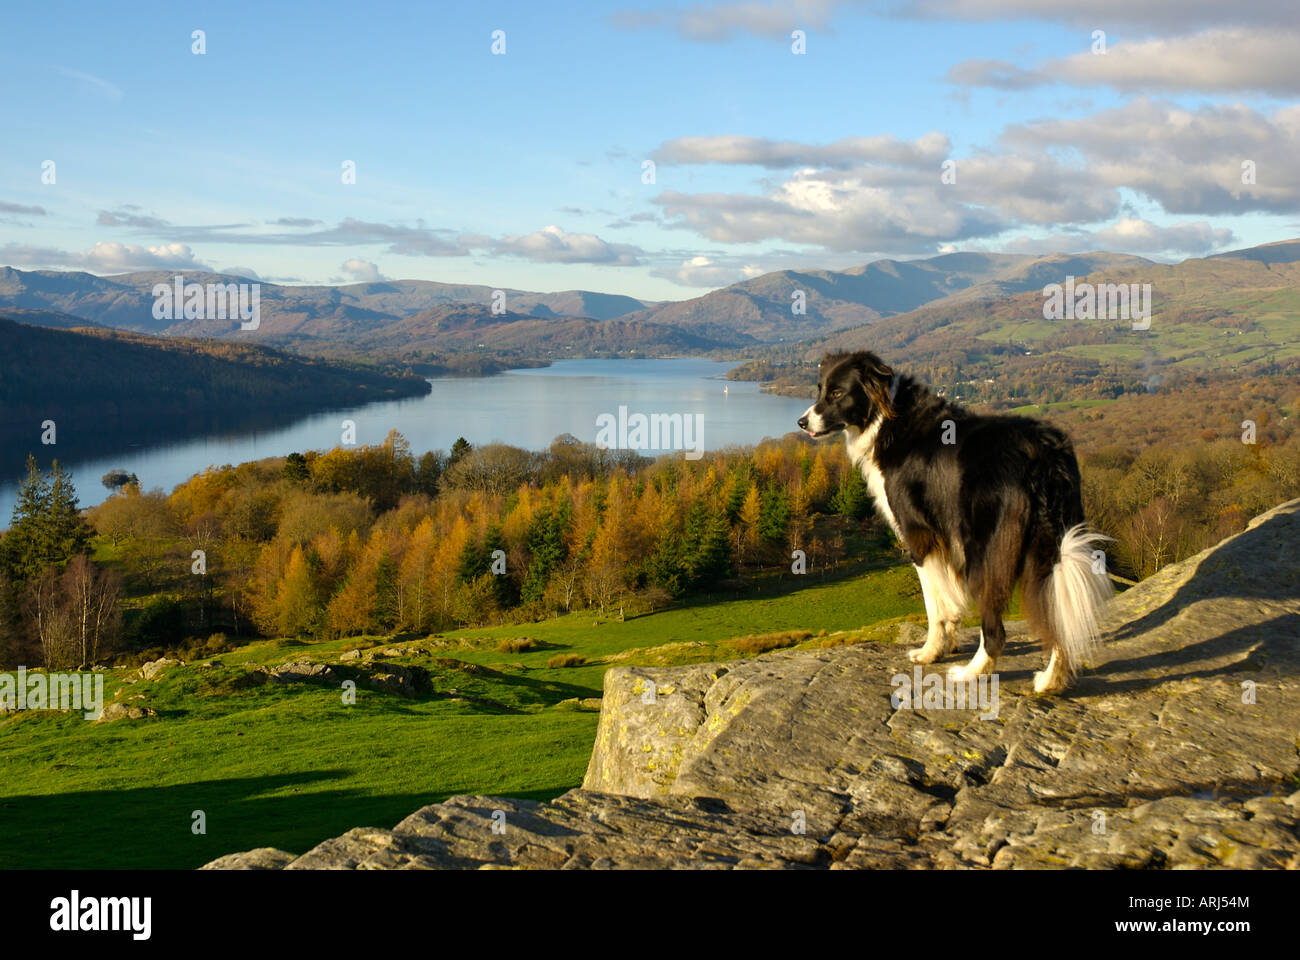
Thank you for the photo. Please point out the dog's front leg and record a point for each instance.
(939, 639)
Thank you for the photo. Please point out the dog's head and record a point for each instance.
(853, 390)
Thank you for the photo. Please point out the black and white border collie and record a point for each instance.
(980, 503)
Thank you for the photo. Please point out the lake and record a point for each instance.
(524, 408)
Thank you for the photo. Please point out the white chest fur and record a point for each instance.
(862, 453)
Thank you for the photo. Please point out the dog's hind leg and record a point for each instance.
(945, 602)
(994, 574)
(992, 637)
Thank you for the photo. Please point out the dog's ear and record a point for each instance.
(876, 374)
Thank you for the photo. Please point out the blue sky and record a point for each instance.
(524, 170)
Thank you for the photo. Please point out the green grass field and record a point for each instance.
(290, 765)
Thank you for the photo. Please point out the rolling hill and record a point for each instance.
(1235, 315)
(96, 383)
(126, 301)
(761, 308)
(462, 328)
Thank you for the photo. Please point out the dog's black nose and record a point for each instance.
(803, 423)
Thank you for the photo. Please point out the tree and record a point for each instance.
(605, 580)
(47, 528)
(817, 486)
(115, 479)
(94, 621)
(25, 545)
(708, 547)
(297, 604)
(852, 499)
(12, 636)
(458, 450)
(50, 620)
(751, 512)
(388, 594)
(295, 469)
(130, 514)
(428, 473)
(774, 516)
(546, 548)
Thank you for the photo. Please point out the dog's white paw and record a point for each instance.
(1052, 680)
(981, 663)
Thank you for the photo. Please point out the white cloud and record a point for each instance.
(106, 257)
(928, 150)
(1051, 173)
(1130, 235)
(553, 245)
(702, 272)
(713, 22)
(1217, 60)
(1175, 15)
(1189, 161)
(363, 271)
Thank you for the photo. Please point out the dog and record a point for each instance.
(981, 503)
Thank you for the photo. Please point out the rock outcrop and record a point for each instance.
(1178, 748)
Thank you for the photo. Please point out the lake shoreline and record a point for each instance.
(527, 407)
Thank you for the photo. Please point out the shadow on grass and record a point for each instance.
(152, 827)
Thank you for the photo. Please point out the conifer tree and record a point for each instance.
(46, 528)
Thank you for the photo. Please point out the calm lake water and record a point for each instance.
(524, 408)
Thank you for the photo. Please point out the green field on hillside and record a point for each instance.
(290, 765)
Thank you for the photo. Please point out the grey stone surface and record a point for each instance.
(122, 711)
(299, 671)
(151, 669)
(1178, 748)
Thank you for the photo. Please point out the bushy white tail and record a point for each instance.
(1076, 593)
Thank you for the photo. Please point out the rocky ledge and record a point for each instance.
(1178, 748)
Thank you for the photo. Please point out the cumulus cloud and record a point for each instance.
(362, 271)
(1052, 173)
(1216, 60)
(840, 213)
(553, 245)
(1189, 161)
(1173, 15)
(106, 257)
(712, 22)
(929, 150)
(1130, 235)
(701, 271)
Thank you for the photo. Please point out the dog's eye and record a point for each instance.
(836, 394)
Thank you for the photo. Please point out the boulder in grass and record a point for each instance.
(150, 670)
(122, 711)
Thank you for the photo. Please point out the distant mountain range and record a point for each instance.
(418, 319)
(1235, 314)
(762, 308)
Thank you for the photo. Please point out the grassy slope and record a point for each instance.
(289, 766)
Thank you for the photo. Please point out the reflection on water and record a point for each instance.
(525, 408)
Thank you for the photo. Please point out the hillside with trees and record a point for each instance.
(104, 382)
